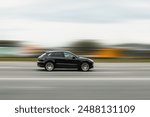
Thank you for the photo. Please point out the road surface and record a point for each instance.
(115, 81)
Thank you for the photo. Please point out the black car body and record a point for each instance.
(64, 59)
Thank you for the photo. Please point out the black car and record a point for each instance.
(64, 59)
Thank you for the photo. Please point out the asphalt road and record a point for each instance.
(115, 81)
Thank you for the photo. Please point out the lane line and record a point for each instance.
(96, 68)
(75, 79)
(28, 87)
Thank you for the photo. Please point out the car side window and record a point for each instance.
(57, 54)
(68, 55)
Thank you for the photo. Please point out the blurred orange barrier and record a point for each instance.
(108, 53)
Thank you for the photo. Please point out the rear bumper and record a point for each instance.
(40, 64)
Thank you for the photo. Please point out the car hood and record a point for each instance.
(84, 58)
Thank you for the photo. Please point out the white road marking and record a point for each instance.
(74, 79)
(28, 88)
(12, 67)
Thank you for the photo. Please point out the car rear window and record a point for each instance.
(42, 55)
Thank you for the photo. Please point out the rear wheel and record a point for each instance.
(85, 67)
(49, 66)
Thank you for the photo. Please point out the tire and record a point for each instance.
(85, 67)
(49, 66)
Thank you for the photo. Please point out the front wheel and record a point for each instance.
(85, 67)
(49, 66)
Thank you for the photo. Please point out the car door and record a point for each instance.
(58, 58)
(71, 61)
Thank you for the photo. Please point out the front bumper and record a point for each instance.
(91, 65)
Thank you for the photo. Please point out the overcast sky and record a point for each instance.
(60, 22)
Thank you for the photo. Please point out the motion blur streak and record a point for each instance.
(90, 48)
(116, 75)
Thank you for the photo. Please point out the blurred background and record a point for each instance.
(11, 50)
(98, 29)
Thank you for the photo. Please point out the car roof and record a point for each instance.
(56, 51)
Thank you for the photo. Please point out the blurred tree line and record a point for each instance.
(85, 46)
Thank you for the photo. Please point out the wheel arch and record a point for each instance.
(53, 61)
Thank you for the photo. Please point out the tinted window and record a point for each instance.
(42, 55)
(57, 54)
(49, 54)
(68, 55)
